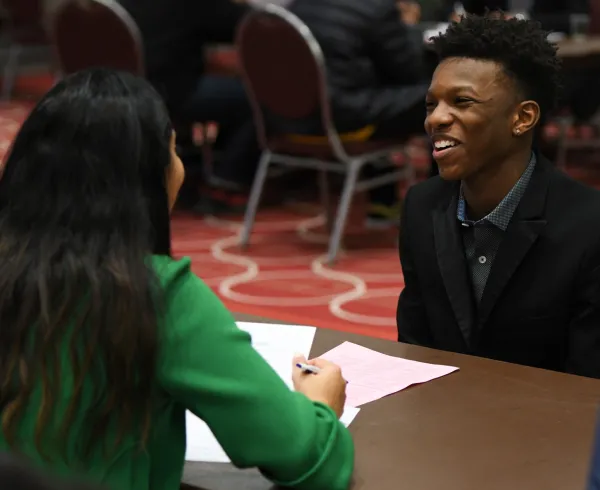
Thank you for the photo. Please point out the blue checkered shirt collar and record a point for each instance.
(502, 214)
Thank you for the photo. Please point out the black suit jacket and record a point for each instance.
(541, 303)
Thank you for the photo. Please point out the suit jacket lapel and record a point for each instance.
(453, 267)
(522, 232)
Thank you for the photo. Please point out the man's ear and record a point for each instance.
(526, 117)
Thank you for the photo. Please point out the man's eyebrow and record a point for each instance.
(458, 88)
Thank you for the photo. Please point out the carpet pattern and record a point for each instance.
(284, 275)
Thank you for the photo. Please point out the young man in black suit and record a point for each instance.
(501, 252)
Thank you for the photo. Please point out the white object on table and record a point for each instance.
(277, 344)
(203, 446)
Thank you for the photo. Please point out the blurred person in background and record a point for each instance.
(552, 14)
(440, 10)
(376, 76)
(175, 34)
(580, 93)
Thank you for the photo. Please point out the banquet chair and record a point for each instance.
(285, 75)
(25, 30)
(91, 33)
(94, 33)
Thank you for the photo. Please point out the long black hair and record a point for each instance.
(83, 205)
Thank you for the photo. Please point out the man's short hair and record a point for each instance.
(520, 46)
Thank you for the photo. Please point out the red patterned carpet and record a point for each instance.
(283, 275)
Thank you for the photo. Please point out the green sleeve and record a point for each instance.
(209, 366)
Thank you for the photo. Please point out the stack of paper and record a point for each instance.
(277, 344)
(372, 375)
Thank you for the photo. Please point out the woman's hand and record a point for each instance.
(328, 386)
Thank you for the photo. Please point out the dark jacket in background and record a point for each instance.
(552, 14)
(479, 7)
(374, 62)
(175, 33)
(436, 10)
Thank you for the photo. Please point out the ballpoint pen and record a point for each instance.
(308, 368)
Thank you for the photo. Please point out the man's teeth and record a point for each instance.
(440, 145)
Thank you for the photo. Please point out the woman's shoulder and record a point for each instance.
(175, 276)
(183, 292)
(167, 268)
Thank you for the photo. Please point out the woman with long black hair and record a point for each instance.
(105, 340)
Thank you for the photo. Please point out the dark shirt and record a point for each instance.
(482, 238)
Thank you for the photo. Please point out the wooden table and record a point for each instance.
(489, 426)
(574, 48)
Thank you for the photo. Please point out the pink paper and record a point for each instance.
(372, 375)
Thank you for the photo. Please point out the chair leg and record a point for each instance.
(342, 211)
(561, 154)
(326, 199)
(254, 199)
(410, 173)
(10, 71)
(207, 150)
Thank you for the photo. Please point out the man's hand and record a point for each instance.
(410, 12)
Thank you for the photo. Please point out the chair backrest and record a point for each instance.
(284, 70)
(94, 33)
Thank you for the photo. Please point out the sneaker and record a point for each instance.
(381, 217)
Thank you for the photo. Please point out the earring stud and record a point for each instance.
(517, 131)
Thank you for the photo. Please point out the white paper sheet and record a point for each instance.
(203, 446)
(277, 344)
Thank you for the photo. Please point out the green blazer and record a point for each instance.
(206, 365)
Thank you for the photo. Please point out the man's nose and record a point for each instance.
(439, 117)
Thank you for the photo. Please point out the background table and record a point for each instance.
(491, 425)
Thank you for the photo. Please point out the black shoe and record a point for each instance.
(381, 217)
